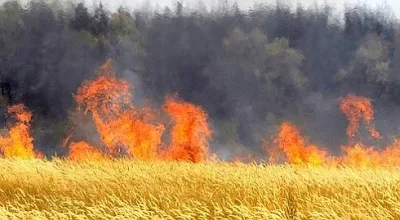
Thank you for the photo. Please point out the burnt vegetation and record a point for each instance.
(249, 69)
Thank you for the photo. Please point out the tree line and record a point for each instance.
(249, 69)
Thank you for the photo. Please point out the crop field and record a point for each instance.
(128, 189)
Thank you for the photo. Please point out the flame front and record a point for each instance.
(128, 131)
(357, 109)
(122, 127)
(18, 142)
(293, 145)
(190, 133)
(82, 151)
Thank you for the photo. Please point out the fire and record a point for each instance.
(122, 127)
(140, 138)
(128, 131)
(356, 154)
(125, 129)
(190, 134)
(244, 159)
(82, 151)
(360, 155)
(357, 109)
(295, 148)
(213, 158)
(18, 142)
(391, 155)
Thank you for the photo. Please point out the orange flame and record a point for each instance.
(356, 154)
(290, 141)
(244, 159)
(18, 142)
(356, 109)
(391, 155)
(120, 124)
(360, 155)
(82, 151)
(190, 134)
(141, 139)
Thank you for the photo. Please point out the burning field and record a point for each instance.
(156, 162)
(180, 131)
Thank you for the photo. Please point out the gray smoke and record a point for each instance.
(249, 69)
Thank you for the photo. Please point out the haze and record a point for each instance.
(245, 4)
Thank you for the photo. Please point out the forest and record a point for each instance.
(249, 69)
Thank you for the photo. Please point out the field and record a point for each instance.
(123, 189)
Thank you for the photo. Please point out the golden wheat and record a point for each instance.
(121, 189)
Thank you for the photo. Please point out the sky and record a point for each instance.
(245, 4)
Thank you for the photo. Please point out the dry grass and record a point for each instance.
(169, 190)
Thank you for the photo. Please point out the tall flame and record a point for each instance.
(357, 154)
(295, 148)
(18, 142)
(190, 134)
(122, 127)
(357, 109)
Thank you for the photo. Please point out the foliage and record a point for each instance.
(243, 67)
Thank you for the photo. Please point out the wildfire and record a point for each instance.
(82, 151)
(357, 109)
(295, 148)
(356, 154)
(190, 133)
(18, 142)
(243, 159)
(122, 127)
(391, 155)
(128, 131)
(360, 155)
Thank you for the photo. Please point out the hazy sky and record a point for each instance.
(394, 4)
(244, 4)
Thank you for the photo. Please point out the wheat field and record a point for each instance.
(126, 189)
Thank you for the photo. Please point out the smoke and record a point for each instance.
(250, 70)
(138, 90)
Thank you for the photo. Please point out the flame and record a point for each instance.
(237, 160)
(244, 159)
(141, 139)
(82, 151)
(293, 145)
(190, 134)
(356, 154)
(213, 158)
(122, 127)
(19, 142)
(135, 132)
(391, 155)
(360, 155)
(357, 109)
